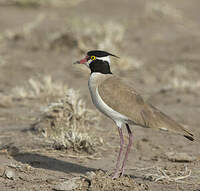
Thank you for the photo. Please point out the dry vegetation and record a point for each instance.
(181, 78)
(23, 32)
(40, 87)
(109, 35)
(69, 124)
(163, 8)
(168, 176)
(106, 36)
(103, 36)
(39, 3)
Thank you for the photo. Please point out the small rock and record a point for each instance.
(2, 170)
(27, 167)
(5, 101)
(68, 185)
(51, 181)
(10, 174)
(180, 157)
(90, 175)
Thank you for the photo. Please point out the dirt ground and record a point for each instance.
(162, 40)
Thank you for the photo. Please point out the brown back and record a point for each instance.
(124, 99)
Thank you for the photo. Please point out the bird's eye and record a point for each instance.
(93, 57)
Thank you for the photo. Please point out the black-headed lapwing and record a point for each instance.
(123, 104)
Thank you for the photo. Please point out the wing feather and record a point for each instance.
(125, 99)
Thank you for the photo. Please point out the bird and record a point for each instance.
(123, 104)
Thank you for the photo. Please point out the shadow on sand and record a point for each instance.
(45, 162)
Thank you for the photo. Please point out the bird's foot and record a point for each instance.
(118, 174)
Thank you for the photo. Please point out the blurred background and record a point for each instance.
(158, 43)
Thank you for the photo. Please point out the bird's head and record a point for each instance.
(97, 61)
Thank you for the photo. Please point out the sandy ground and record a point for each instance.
(163, 41)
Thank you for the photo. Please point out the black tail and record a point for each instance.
(190, 137)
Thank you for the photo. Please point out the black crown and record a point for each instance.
(100, 53)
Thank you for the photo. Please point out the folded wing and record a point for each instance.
(124, 99)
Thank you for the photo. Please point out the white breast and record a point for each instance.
(101, 105)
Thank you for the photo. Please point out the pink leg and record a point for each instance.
(128, 148)
(116, 174)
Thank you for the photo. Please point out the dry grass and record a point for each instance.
(24, 31)
(36, 88)
(155, 9)
(39, 3)
(164, 9)
(70, 124)
(181, 78)
(184, 84)
(126, 63)
(169, 176)
(106, 36)
(67, 122)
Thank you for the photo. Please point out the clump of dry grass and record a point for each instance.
(169, 176)
(181, 78)
(184, 84)
(36, 88)
(69, 123)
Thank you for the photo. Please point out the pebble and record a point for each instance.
(179, 157)
(90, 175)
(68, 185)
(2, 170)
(10, 174)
